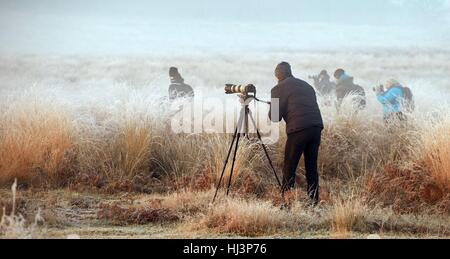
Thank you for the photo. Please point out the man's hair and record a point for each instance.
(339, 72)
(175, 76)
(391, 83)
(173, 72)
(323, 73)
(284, 69)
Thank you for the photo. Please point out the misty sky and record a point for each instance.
(348, 11)
(55, 25)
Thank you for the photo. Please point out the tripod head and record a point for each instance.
(245, 100)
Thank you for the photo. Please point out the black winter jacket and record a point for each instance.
(298, 105)
(178, 89)
(346, 87)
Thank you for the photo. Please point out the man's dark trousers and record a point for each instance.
(305, 142)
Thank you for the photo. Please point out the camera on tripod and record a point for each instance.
(247, 93)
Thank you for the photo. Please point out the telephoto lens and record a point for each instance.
(240, 89)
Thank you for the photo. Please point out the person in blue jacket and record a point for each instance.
(392, 96)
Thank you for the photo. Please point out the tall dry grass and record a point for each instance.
(347, 215)
(436, 152)
(117, 154)
(44, 142)
(36, 144)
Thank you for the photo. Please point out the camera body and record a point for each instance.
(244, 90)
(378, 89)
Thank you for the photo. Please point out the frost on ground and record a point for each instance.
(14, 225)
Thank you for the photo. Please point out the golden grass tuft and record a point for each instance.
(245, 218)
(187, 203)
(130, 151)
(436, 153)
(346, 216)
(35, 145)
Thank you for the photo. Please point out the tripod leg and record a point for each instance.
(246, 131)
(233, 163)
(225, 163)
(265, 150)
(240, 125)
(236, 134)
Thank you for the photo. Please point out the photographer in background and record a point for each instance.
(323, 84)
(345, 86)
(395, 99)
(177, 88)
(304, 125)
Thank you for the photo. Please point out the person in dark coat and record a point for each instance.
(345, 86)
(298, 107)
(323, 84)
(177, 88)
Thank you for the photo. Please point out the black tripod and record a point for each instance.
(242, 131)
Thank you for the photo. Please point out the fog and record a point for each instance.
(218, 27)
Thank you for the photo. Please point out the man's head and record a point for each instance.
(339, 73)
(324, 75)
(391, 83)
(283, 71)
(174, 74)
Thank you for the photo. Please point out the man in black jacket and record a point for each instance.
(345, 86)
(299, 109)
(177, 88)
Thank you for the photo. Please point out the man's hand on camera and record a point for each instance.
(379, 90)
